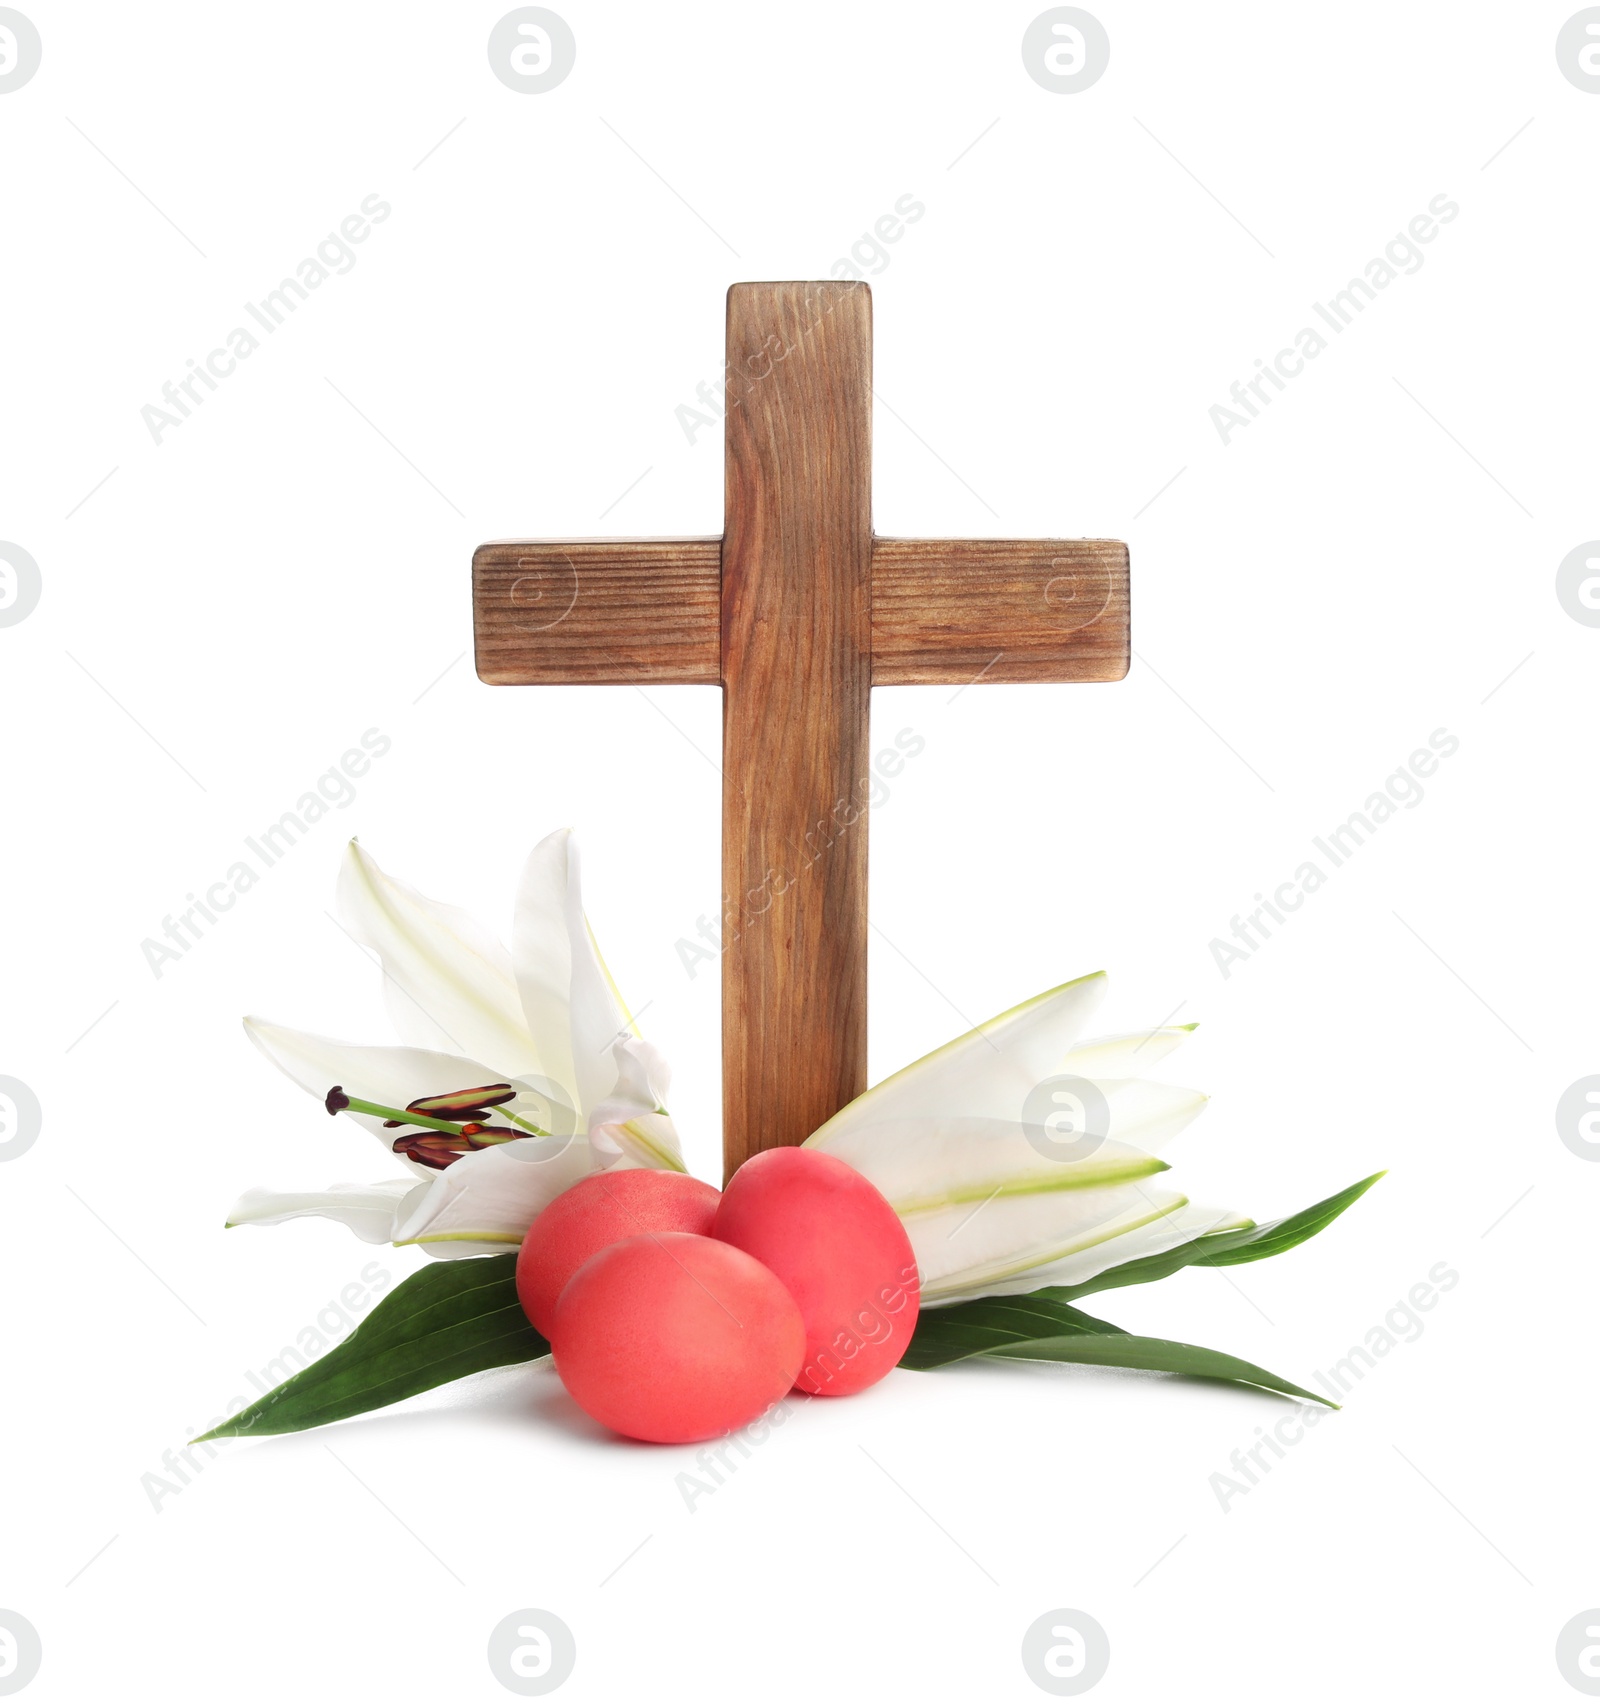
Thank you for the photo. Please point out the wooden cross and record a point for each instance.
(796, 612)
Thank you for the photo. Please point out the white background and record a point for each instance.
(1367, 563)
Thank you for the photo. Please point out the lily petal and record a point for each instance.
(447, 981)
(990, 1207)
(925, 1164)
(1123, 1056)
(1153, 1225)
(650, 1139)
(989, 1072)
(1146, 1114)
(484, 1203)
(1021, 1243)
(393, 1077)
(569, 1002)
(370, 1210)
(642, 1078)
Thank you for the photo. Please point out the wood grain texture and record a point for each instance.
(548, 611)
(951, 611)
(796, 667)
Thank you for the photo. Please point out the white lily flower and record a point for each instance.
(1017, 1156)
(521, 1072)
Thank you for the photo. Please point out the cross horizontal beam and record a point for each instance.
(944, 611)
(548, 612)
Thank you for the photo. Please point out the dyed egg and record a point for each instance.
(598, 1210)
(842, 1254)
(672, 1338)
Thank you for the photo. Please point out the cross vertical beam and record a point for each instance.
(797, 672)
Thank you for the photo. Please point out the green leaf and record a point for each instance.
(1220, 1249)
(1161, 1355)
(1040, 1328)
(451, 1319)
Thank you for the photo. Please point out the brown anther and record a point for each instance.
(439, 1149)
(435, 1149)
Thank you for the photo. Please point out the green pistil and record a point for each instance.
(338, 1101)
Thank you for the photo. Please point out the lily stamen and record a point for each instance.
(439, 1142)
(472, 1104)
(429, 1148)
(460, 1103)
